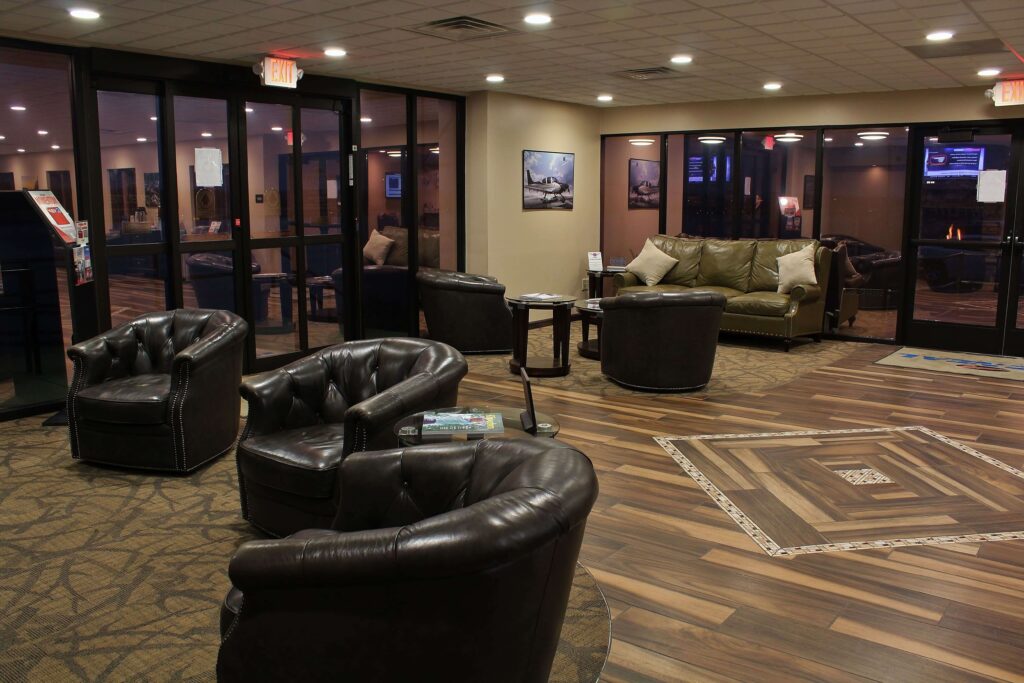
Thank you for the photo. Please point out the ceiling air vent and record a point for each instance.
(460, 28)
(650, 73)
(954, 48)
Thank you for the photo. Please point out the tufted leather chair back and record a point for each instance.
(148, 344)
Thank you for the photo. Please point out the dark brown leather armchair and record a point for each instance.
(159, 392)
(466, 311)
(448, 562)
(305, 417)
(661, 341)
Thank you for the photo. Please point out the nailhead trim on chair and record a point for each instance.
(234, 622)
(181, 424)
(76, 385)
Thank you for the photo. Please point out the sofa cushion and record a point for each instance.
(726, 263)
(651, 265)
(764, 273)
(652, 288)
(727, 292)
(759, 303)
(797, 269)
(687, 251)
(376, 249)
(136, 399)
(303, 461)
(399, 254)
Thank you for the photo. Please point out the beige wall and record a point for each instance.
(625, 229)
(529, 251)
(944, 104)
(35, 165)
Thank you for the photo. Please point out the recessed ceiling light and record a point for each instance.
(933, 139)
(249, 110)
(537, 18)
(858, 144)
(17, 107)
(641, 142)
(335, 52)
(365, 119)
(276, 129)
(2, 137)
(873, 135)
(43, 132)
(82, 13)
(435, 150)
(495, 78)
(711, 139)
(604, 98)
(206, 134)
(21, 149)
(988, 73)
(772, 86)
(140, 140)
(152, 118)
(394, 154)
(682, 59)
(938, 36)
(54, 146)
(828, 139)
(789, 137)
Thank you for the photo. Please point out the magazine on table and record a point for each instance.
(541, 296)
(470, 423)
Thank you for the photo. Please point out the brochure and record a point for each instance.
(540, 296)
(471, 423)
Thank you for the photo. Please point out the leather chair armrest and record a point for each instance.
(625, 279)
(409, 396)
(269, 395)
(805, 293)
(94, 357)
(209, 347)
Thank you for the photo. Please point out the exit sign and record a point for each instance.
(1008, 93)
(280, 73)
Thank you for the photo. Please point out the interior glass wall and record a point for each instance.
(437, 184)
(778, 184)
(862, 209)
(708, 193)
(675, 150)
(203, 169)
(383, 232)
(632, 195)
(271, 180)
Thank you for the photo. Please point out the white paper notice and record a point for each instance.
(992, 186)
(594, 260)
(209, 167)
(332, 188)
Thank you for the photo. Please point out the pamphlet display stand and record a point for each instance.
(37, 239)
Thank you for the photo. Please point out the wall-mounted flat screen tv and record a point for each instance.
(393, 185)
(953, 162)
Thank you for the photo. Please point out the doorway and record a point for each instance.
(965, 241)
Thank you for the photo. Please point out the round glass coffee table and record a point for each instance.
(409, 430)
(590, 314)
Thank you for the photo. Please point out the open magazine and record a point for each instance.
(469, 423)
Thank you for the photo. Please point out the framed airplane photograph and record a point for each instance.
(548, 179)
(644, 184)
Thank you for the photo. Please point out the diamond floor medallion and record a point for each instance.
(854, 489)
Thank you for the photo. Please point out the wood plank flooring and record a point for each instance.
(693, 598)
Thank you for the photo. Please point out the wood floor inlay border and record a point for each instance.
(740, 468)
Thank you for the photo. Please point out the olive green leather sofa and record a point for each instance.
(747, 273)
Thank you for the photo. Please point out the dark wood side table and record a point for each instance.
(595, 281)
(590, 314)
(561, 309)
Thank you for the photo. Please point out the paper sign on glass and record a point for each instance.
(209, 167)
(992, 186)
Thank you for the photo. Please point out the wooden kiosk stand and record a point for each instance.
(39, 242)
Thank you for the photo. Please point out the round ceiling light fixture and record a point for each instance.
(495, 78)
(152, 118)
(641, 142)
(772, 85)
(605, 98)
(682, 59)
(141, 140)
(939, 36)
(989, 72)
(858, 144)
(537, 18)
(335, 52)
(54, 146)
(789, 137)
(43, 132)
(249, 110)
(394, 154)
(711, 139)
(828, 139)
(21, 150)
(873, 134)
(83, 13)
(435, 150)
(3, 137)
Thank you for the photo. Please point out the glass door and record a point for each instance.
(965, 252)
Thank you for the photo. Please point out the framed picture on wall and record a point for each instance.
(548, 179)
(644, 184)
(151, 186)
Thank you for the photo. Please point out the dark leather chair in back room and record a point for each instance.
(448, 562)
(661, 341)
(305, 417)
(466, 311)
(159, 392)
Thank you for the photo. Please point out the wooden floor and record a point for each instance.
(695, 599)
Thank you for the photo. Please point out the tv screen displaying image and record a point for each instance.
(953, 162)
(393, 185)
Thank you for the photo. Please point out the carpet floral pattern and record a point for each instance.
(110, 575)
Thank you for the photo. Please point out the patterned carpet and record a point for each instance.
(742, 364)
(110, 575)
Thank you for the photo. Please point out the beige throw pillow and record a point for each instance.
(797, 269)
(652, 264)
(376, 248)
